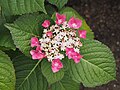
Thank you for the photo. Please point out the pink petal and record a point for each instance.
(60, 19)
(46, 23)
(74, 23)
(41, 56)
(58, 62)
(34, 41)
(32, 52)
(55, 69)
(82, 33)
(76, 57)
(69, 52)
(39, 49)
(37, 54)
(49, 33)
(56, 65)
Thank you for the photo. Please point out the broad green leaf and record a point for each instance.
(28, 74)
(7, 73)
(2, 19)
(69, 12)
(58, 3)
(3, 48)
(66, 84)
(18, 7)
(6, 39)
(48, 73)
(97, 66)
(66, 63)
(12, 54)
(50, 9)
(24, 28)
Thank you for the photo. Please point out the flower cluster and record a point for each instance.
(61, 37)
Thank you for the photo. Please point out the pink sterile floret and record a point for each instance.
(73, 55)
(56, 65)
(34, 42)
(46, 23)
(49, 33)
(60, 19)
(69, 52)
(37, 54)
(76, 57)
(74, 23)
(82, 33)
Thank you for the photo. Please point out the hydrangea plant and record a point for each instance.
(49, 48)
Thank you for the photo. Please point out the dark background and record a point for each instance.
(103, 16)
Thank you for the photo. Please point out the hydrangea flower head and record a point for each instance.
(59, 38)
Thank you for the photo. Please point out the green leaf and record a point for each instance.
(19, 7)
(50, 10)
(66, 84)
(24, 28)
(4, 48)
(48, 73)
(66, 63)
(7, 73)
(28, 74)
(69, 12)
(12, 54)
(58, 3)
(97, 66)
(6, 39)
(2, 19)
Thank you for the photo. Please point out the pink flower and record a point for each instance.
(75, 23)
(56, 65)
(69, 52)
(46, 23)
(34, 42)
(82, 33)
(73, 55)
(37, 54)
(60, 19)
(76, 57)
(49, 33)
